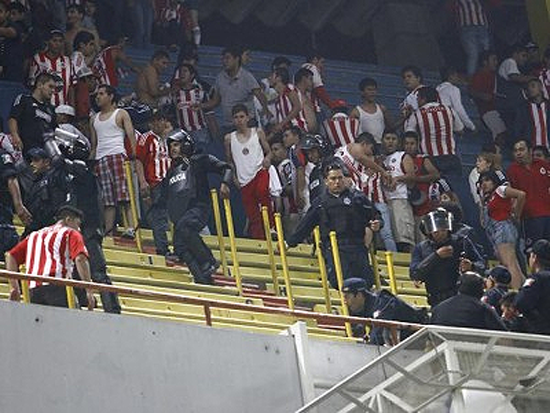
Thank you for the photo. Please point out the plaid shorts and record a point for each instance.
(112, 179)
(501, 232)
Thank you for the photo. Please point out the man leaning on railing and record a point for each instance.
(52, 251)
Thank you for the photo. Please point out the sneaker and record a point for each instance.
(170, 256)
(130, 233)
(274, 235)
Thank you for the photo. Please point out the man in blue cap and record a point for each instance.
(381, 305)
(496, 286)
(532, 299)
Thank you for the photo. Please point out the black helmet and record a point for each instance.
(309, 142)
(187, 142)
(78, 151)
(436, 220)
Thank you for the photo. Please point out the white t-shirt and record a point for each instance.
(508, 67)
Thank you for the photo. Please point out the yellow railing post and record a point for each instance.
(391, 272)
(26, 291)
(270, 253)
(219, 229)
(374, 265)
(284, 262)
(322, 268)
(71, 302)
(233, 244)
(133, 204)
(339, 278)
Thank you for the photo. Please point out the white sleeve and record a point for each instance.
(411, 123)
(275, 187)
(456, 105)
(458, 126)
(507, 68)
(472, 180)
(501, 191)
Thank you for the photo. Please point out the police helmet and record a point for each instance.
(500, 274)
(181, 136)
(72, 146)
(436, 220)
(309, 142)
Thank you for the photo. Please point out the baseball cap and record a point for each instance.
(353, 285)
(39, 153)
(56, 32)
(65, 110)
(500, 274)
(541, 249)
(531, 46)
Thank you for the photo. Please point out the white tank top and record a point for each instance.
(110, 137)
(394, 164)
(247, 156)
(372, 122)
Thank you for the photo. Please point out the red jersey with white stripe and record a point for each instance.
(471, 13)
(372, 187)
(498, 206)
(283, 106)
(539, 123)
(435, 124)
(105, 66)
(152, 152)
(50, 251)
(355, 168)
(544, 77)
(189, 118)
(341, 129)
(60, 66)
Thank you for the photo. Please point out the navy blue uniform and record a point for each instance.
(8, 235)
(441, 274)
(348, 214)
(186, 192)
(465, 311)
(493, 296)
(534, 303)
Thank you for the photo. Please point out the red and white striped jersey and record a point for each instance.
(435, 124)
(60, 66)
(189, 118)
(341, 129)
(283, 106)
(372, 187)
(79, 62)
(356, 169)
(50, 251)
(152, 152)
(471, 13)
(544, 77)
(105, 66)
(539, 123)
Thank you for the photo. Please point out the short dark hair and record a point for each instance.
(296, 130)
(78, 7)
(189, 67)
(522, 139)
(411, 134)
(332, 166)
(239, 107)
(160, 54)
(365, 137)
(313, 54)
(283, 74)
(276, 138)
(81, 37)
(472, 284)
(517, 48)
(234, 51)
(428, 93)
(69, 211)
(543, 149)
(43, 78)
(446, 71)
(415, 70)
(110, 90)
(366, 82)
(280, 60)
(485, 55)
(302, 73)
(16, 6)
(508, 299)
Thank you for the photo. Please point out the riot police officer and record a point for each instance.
(532, 299)
(382, 305)
(186, 191)
(10, 199)
(349, 213)
(439, 260)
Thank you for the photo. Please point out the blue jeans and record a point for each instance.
(475, 40)
(385, 231)
(143, 14)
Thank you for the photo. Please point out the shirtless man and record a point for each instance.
(148, 87)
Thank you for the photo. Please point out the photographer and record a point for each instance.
(439, 260)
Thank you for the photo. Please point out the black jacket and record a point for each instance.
(534, 303)
(466, 311)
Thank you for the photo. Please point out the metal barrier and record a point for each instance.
(339, 278)
(233, 244)
(133, 203)
(391, 272)
(322, 268)
(270, 251)
(208, 304)
(284, 262)
(219, 229)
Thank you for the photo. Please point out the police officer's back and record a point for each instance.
(466, 308)
(439, 260)
(380, 305)
(533, 299)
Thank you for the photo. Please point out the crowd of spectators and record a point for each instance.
(292, 147)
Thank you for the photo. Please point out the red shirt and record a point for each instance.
(484, 81)
(50, 251)
(152, 152)
(499, 207)
(535, 182)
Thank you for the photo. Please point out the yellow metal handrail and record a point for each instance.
(270, 251)
(233, 244)
(133, 204)
(339, 278)
(219, 229)
(391, 272)
(284, 261)
(322, 268)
